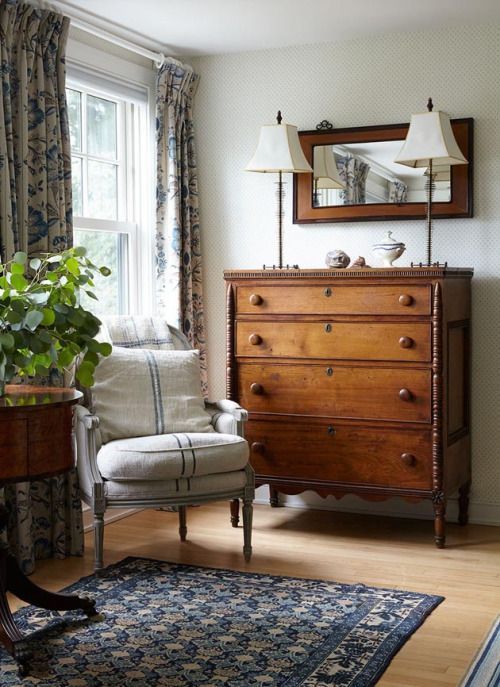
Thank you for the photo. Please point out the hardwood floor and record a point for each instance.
(377, 551)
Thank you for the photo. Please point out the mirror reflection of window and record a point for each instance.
(368, 174)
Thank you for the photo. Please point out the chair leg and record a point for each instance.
(182, 523)
(98, 541)
(235, 512)
(247, 528)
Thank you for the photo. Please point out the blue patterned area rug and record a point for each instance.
(178, 625)
(485, 668)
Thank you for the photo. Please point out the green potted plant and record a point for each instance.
(42, 323)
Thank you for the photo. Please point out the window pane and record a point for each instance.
(101, 127)
(76, 182)
(74, 100)
(102, 190)
(105, 248)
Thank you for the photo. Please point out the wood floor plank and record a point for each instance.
(348, 548)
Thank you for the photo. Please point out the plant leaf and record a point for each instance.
(13, 317)
(85, 373)
(32, 319)
(73, 266)
(105, 348)
(48, 317)
(20, 257)
(18, 282)
(7, 341)
(17, 268)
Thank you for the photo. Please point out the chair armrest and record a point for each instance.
(87, 446)
(227, 417)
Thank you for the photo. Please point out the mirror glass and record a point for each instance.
(368, 174)
(356, 179)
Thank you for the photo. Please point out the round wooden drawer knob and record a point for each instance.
(254, 339)
(408, 459)
(406, 342)
(258, 447)
(255, 299)
(405, 299)
(405, 395)
(257, 389)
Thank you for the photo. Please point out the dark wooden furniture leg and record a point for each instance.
(235, 512)
(439, 503)
(13, 580)
(274, 497)
(463, 504)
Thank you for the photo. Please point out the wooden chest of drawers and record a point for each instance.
(356, 381)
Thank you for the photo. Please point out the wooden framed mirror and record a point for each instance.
(382, 190)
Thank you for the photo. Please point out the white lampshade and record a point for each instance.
(279, 150)
(326, 173)
(430, 137)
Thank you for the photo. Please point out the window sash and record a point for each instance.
(134, 186)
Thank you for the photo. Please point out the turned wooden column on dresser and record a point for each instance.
(356, 381)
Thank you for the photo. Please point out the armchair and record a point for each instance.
(164, 468)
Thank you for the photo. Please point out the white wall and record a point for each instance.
(370, 81)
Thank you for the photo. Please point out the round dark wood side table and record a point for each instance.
(35, 442)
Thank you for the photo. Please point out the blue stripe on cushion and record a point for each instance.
(193, 453)
(157, 397)
(182, 453)
(140, 343)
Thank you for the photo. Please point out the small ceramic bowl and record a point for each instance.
(388, 250)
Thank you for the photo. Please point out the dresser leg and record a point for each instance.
(439, 503)
(274, 497)
(235, 512)
(463, 504)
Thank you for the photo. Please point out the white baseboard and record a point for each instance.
(110, 516)
(479, 513)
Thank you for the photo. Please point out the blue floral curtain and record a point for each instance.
(45, 518)
(178, 254)
(353, 173)
(398, 192)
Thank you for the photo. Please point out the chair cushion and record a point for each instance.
(139, 392)
(206, 488)
(172, 456)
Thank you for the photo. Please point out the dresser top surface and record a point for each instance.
(433, 272)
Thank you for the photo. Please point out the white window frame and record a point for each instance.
(134, 179)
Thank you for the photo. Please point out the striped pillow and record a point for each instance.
(139, 392)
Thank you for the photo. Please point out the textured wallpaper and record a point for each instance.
(378, 80)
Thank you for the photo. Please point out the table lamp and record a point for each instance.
(279, 150)
(325, 171)
(430, 142)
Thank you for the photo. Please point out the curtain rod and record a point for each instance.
(157, 57)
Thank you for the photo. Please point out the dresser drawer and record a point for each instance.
(409, 341)
(341, 453)
(322, 299)
(379, 393)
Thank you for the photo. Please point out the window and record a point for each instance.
(109, 131)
